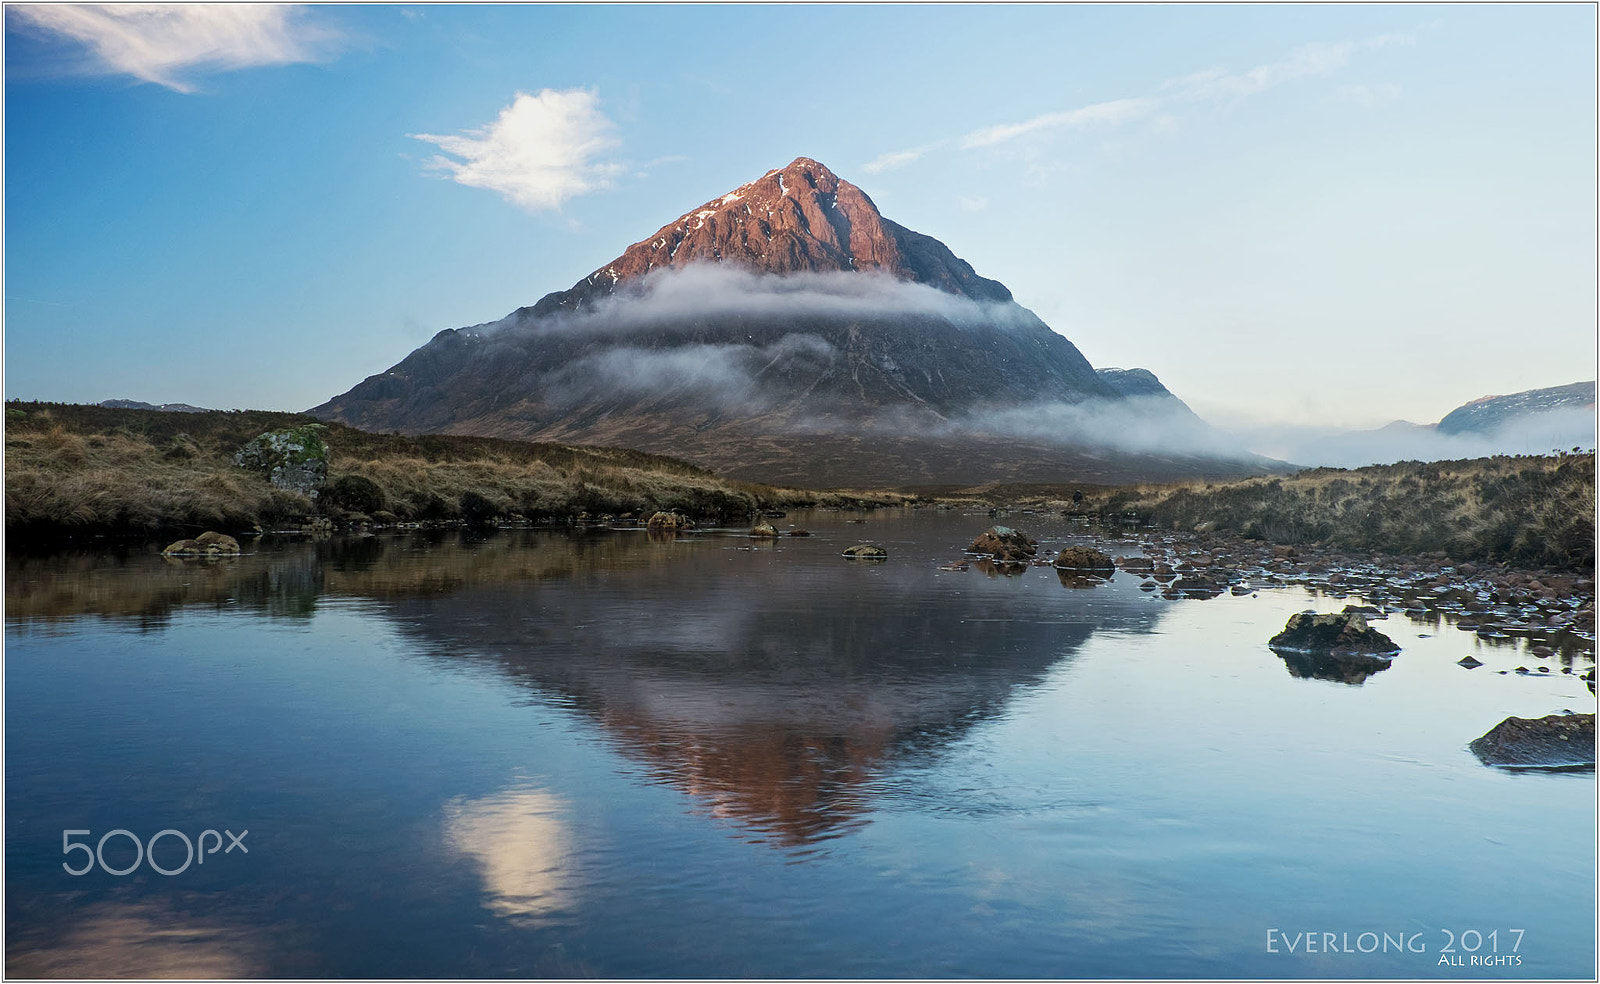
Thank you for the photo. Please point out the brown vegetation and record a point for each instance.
(1524, 509)
(89, 469)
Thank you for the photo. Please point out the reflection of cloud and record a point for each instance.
(140, 940)
(521, 844)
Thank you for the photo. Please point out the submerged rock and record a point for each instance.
(865, 551)
(1005, 544)
(1548, 742)
(1343, 634)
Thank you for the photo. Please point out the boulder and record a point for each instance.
(207, 544)
(1084, 559)
(866, 551)
(764, 530)
(295, 458)
(1560, 740)
(669, 521)
(1343, 634)
(1005, 544)
(217, 542)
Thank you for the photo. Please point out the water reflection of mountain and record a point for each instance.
(774, 685)
(777, 690)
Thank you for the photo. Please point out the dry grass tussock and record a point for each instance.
(73, 468)
(1522, 509)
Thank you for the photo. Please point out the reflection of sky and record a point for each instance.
(141, 940)
(522, 846)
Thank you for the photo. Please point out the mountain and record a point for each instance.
(1531, 422)
(788, 331)
(140, 405)
(1491, 413)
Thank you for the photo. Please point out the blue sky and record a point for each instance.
(1292, 214)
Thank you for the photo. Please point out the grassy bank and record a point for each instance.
(73, 469)
(1523, 510)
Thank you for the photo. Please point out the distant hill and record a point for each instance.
(788, 332)
(1490, 413)
(1541, 421)
(138, 405)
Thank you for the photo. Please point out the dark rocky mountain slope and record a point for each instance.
(788, 331)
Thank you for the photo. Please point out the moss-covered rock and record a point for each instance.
(866, 551)
(295, 458)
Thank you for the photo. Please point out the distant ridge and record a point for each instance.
(139, 405)
(1488, 413)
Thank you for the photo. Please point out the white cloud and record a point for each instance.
(160, 43)
(538, 153)
(1112, 112)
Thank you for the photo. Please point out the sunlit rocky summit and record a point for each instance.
(788, 331)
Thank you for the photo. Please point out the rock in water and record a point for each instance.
(295, 458)
(217, 542)
(1005, 545)
(1344, 634)
(669, 521)
(763, 530)
(1548, 742)
(866, 551)
(1084, 559)
(207, 544)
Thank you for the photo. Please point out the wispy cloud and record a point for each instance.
(1111, 113)
(1306, 61)
(899, 158)
(539, 152)
(164, 43)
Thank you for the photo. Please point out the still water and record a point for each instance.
(540, 754)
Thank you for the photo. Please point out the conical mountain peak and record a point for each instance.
(796, 219)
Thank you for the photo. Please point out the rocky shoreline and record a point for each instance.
(1553, 610)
